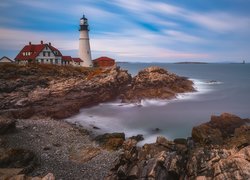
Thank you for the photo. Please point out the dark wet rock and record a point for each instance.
(111, 141)
(17, 158)
(95, 127)
(138, 137)
(156, 83)
(7, 125)
(180, 141)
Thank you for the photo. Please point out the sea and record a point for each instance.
(220, 88)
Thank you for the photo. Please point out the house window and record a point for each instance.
(46, 47)
(42, 61)
(56, 61)
(55, 52)
(23, 53)
(48, 53)
(51, 61)
(44, 53)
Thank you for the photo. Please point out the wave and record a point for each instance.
(201, 87)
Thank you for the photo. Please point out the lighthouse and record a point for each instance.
(84, 46)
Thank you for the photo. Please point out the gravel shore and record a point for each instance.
(62, 149)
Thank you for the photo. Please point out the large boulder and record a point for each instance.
(218, 129)
(156, 83)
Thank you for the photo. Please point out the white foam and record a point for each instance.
(119, 104)
(154, 102)
(103, 124)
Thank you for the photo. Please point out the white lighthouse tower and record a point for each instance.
(84, 46)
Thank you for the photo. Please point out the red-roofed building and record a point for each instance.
(76, 61)
(66, 60)
(104, 62)
(45, 54)
(39, 53)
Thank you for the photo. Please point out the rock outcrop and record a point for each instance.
(156, 83)
(58, 92)
(111, 141)
(194, 158)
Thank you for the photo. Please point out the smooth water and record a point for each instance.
(175, 118)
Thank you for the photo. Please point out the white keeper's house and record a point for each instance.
(45, 54)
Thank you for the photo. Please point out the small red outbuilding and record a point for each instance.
(104, 62)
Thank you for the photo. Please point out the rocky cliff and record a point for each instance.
(60, 92)
(156, 83)
(57, 92)
(219, 149)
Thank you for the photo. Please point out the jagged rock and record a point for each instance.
(156, 82)
(164, 142)
(7, 125)
(49, 176)
(219, 163)
(138, 137)
(111, 141)
(217, 129)
(56, 91)
(185, 159)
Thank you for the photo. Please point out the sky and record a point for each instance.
(132, 30)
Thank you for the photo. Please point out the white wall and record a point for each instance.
(48, 59)
(84, 49)
(5, 60)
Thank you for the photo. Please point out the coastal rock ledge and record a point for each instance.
(200, 157)
(60, 92)
(156, 83)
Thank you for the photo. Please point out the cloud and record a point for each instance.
(14, 39)
(220, 22)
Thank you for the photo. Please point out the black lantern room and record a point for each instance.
(84, 24)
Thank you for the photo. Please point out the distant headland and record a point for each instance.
(187, 62)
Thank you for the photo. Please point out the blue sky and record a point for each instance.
(135, 30)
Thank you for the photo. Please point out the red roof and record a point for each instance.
(77, 60)
(103, 58)
(35, 49)
(66, 58)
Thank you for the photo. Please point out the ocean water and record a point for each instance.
(175, 118)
